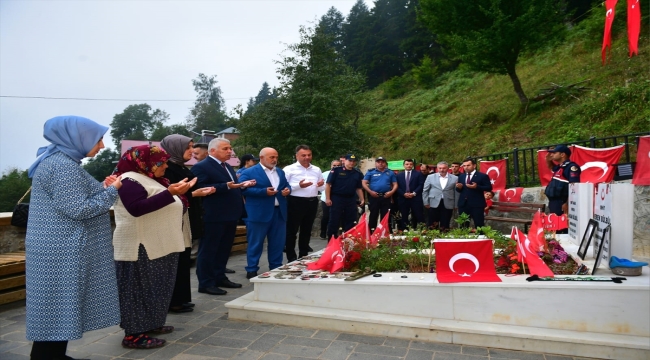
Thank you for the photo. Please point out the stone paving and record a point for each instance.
(207, 333)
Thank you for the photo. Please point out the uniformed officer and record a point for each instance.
(341, 191)
(557, 191)
(381, 184)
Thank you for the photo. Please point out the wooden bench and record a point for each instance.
(519, 208)
(240, 243)
(12, 277)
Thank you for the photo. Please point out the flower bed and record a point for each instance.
(413, 251)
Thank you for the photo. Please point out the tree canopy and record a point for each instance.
(14, 183)
(490, 35)
(209, 111)
(103, 164)
(317, 103)
(137, 122)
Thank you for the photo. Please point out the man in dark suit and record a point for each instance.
(266, 206)
(409, 195)
(222, 211)
(471, 186)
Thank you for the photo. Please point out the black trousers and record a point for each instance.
(413, 206)
(301, 213)
(343, 209)
(441, 215)
(214, 251)
(475, 213)
(378, 209)
(48, 350)
(325, 219)
(182, 289)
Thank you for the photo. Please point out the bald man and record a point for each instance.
(266, 205)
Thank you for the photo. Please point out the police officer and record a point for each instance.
(557, 191)
(341, 191)
(381, 184)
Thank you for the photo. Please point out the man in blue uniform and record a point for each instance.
(341, 191)
(381, 184)
(565, 172)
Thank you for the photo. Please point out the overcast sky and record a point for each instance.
(136, 50)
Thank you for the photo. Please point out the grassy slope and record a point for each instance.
(478, 114)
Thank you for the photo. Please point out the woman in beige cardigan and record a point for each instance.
(148, 238)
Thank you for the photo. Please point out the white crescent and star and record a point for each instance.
(599, 164)
(495, 169)
(467, 256)
(609, 12)
(506, 193)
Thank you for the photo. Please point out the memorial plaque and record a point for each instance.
(614, 206)
(581, 209)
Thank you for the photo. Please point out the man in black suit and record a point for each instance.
(471, 186)
(409, 195)
(222, 211)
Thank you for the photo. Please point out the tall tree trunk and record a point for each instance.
(516, 84)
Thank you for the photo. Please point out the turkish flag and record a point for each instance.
(610, 5)
(554, 222)
(562, 222)
(642, 171)
(332, 258)
(525, 253)
(496, 171)
(465, 261)
(597, 165)
(382, 230)
(545, 174)
(536, 233)
(633, 25)
(512, 195)
(360, 231)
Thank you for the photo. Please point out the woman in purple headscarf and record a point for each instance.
(71, 284)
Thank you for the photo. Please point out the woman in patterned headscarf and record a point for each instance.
(148, 238)
(71, 285)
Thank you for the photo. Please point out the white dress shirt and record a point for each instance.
(443, 181)
(296, 173)
(274, 178)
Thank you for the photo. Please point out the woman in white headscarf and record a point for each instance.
(71, 283)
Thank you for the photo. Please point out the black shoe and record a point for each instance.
(310, 249)
(228, 284)
(251, 274)
(212, 290)
(188, 305)
(180, 309)
(229, 271)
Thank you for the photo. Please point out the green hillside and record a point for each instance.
(470, 113)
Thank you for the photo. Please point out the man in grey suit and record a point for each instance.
(439, 195)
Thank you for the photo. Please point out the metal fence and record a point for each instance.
(522, 163)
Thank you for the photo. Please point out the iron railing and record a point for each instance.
(522, 162)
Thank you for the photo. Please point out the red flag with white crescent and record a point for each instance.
(331, 253)
(550, 221)
(536, 265)
(642, 170)
(633, 25)
(610, 5)
(465, 261)
(512, 195)
(382, 230)
(597, 165)
(496, 171)
(545, 174)
(359, 231)
(536, 233)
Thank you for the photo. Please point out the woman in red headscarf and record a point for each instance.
(147, 241)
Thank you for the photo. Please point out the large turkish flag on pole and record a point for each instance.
(545, 174)
(642, 171)
(610, 5)
(633, 25)
(597, 165)
(496, 171)
(465, 261)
